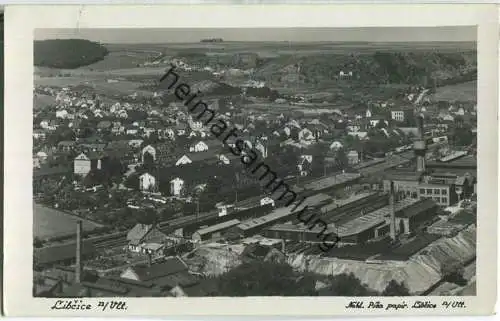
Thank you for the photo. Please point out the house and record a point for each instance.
(62, 114)
(36, 162)
(401, 114)
(131, 130)
(198, 147)
(185, 159)
(42, 156)
(306, 135)
(85, 162)
(122, 114)
(336, 145)
(176, 186)
(135, 143)
(148, 150)
(168, 274)
(143, 234)
(66, 145)
(353, 157)
(147, 182)
(39, 134)
(117, 128)
(262, 148)
(148, 131)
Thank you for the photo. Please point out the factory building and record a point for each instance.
(440, 181)
(283, 214)
(214, 231)
(409, 214)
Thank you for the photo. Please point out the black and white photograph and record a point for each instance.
(314, 162)
(254, 163)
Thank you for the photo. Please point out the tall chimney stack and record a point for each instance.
(78, 268)
(392, 223)
(419, 146)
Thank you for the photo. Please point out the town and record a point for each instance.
(135, 197)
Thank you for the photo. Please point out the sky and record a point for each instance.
(373, 34)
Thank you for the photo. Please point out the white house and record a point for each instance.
(62, 113)
(262, 149)
(135, 142)
(176, 186)
(266, 200)
(147, 182)
(132, 131)
(148, 149)
(368, 113)
(183, 160)
(353, 157)
(306, 134)
(336, 145)
(198, 147)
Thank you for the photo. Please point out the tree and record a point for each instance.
(346, 285)
(95, 177)
(147, 217)
(259, 278)
(132, 181)
(395, 288)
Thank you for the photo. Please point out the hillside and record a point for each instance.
(67, 53)
(419, 68)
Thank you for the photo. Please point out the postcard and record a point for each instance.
(279, 160)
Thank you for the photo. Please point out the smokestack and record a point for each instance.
(78, 268)
(419, 146)
(392, 223)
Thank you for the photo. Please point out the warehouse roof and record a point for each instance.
(372, 219)
(218, 227)
(331, 181)
(273, 216)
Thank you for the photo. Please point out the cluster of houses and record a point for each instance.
(171, 136)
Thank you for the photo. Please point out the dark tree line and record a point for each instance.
(67, 53)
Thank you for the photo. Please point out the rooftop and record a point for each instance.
(217, 227)
(331, 181)
(273, 216)
(372, 219)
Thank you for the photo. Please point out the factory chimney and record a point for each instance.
(419, 146)
(392, 223)
(78, 268)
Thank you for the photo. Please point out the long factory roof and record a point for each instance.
(341, 202)
(217, 227)
(331, 181)
(372, 219)
(283, 212)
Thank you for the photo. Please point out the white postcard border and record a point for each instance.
(20, 21)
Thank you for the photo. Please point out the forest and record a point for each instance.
(67, 53)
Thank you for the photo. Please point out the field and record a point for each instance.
(41, 101)
(466, 91)
(123, 63)
(48, 222)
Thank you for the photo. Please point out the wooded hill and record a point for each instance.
(67, 53)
